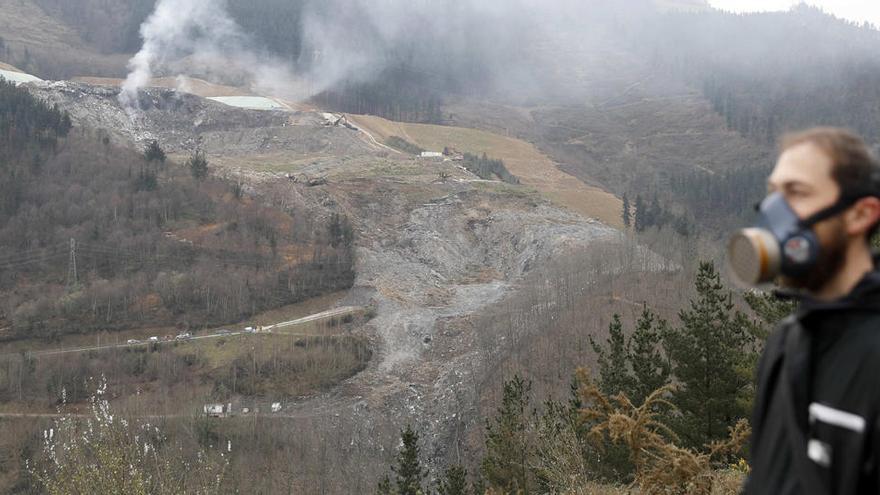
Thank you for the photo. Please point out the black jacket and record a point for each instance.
(815, 423)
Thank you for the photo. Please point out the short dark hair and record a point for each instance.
(854, 167)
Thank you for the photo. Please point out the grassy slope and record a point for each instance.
(521, 158)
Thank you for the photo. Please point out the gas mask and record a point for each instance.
(780, 243)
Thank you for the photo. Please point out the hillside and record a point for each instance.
(48, 47)
(414, 288)
(522, 159)
(145, 237)
(435, 246)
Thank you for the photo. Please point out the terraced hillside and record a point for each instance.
(526, 162)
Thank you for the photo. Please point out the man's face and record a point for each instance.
(803, 176)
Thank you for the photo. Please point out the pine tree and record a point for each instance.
(478, 486)
(651, 369)
(769, 309)
(506, 465)
(656, 217)
(710, 358)
(154, 152)
(627, 219)
(614, 373)
(198, 165)
(454, 482)
(384, 486)
(640, 214)
(408, 472)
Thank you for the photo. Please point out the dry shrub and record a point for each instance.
(661, 467)
(106, 453)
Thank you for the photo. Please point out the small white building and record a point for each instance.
(431, 154)
(215, 410)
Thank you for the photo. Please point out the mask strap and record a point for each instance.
(840, 206)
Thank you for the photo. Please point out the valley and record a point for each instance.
(286, 233)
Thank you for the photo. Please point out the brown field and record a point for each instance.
(522, 159)
(9, 67)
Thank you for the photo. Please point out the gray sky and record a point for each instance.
(855, 10)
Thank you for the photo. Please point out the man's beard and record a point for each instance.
(831, 259)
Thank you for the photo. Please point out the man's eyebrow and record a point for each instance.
(788, 184)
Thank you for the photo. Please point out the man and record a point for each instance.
(816, 422)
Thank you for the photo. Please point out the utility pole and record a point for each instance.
(71, 265)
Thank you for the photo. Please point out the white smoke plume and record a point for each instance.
(186, 34)
(355, 40)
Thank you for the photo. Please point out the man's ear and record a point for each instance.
(863, 216)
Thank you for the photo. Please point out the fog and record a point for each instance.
(509, 49)
(457, 43)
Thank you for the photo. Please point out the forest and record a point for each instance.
(98, 237)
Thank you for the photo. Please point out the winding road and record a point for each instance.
(324, 315)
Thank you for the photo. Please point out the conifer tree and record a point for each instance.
(408, 472)
(154, 152)
(656, 215)
(627, 219)
(506, 464)
(198, 165)
(614, 373)
(708, 354)
(769, 309)
(650, 367)
(384, 487)
(454, 482)
(640, 214)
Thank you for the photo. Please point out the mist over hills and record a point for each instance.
(405, 60)
(502, 250)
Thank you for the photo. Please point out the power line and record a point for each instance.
(71, 265)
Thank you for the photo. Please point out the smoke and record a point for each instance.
(353, 40)
(185, 36)
(516, 50)
(495, 47)
(452, 44)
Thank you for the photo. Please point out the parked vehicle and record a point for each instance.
(133, 341)
(184, 336)
(249, 329)
(154, 339)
